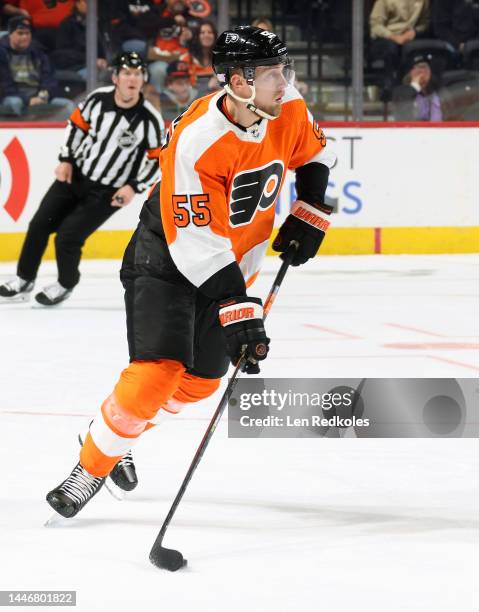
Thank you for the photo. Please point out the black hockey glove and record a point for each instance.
(242, 321)
(307, 226)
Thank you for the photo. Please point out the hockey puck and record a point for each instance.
(166, 558)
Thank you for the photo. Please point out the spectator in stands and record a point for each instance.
(179, 93)
(26, 77)
(173, 32)
(455, 21)
(201, 58)
(45, 20)
(171, 43)
(70, 53)
(394, 23)
(417, 98)
(8, 9)
(197, 9)
(264, 23)
(134, 23)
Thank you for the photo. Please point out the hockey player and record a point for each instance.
(111, 151)
(202, 235)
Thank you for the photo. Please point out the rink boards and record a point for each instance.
(395, 189)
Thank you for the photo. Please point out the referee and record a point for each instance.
(110, 153)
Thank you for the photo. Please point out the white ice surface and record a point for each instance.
(301, 524)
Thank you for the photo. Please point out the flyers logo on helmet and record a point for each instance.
(318, 132)
(254, 189)
(231, 38)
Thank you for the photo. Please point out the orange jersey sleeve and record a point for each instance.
(310, 142)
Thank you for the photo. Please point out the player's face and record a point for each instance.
(129, 82)
(271, 83)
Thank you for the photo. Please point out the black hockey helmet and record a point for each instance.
(129, 60)
(246, 47)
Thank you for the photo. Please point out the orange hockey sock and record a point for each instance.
(191, 389)
(142, 389)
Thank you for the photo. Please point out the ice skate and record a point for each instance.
(53, 295)
(16, 290)
(122, 478)
(124, 473)
(75, 492)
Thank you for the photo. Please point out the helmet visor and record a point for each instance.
(274, 77)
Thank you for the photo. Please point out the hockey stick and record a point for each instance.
(167, 558)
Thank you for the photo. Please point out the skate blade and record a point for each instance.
(37, 305)
(21, 298)
(114, 490)
(56, 520)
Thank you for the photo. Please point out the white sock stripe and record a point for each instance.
(106, 440)
(309, 214)
(237, 312)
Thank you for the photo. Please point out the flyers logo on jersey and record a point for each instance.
(254, 189)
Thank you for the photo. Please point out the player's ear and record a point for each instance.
(114, 78)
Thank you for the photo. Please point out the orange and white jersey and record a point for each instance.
(220, 183)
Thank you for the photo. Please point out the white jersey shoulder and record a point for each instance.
(201, 133)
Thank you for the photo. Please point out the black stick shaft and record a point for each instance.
(223, 402)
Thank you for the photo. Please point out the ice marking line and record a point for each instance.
(87, 415)
(416, 329)
(310, 339)
(351, 356)
(454, 362)
(331, 331)
(445, 346)
(62, 414)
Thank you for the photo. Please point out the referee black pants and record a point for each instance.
(74, 211)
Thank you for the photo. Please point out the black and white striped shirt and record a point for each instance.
(115, 146)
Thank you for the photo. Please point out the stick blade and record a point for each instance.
(167, 558)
